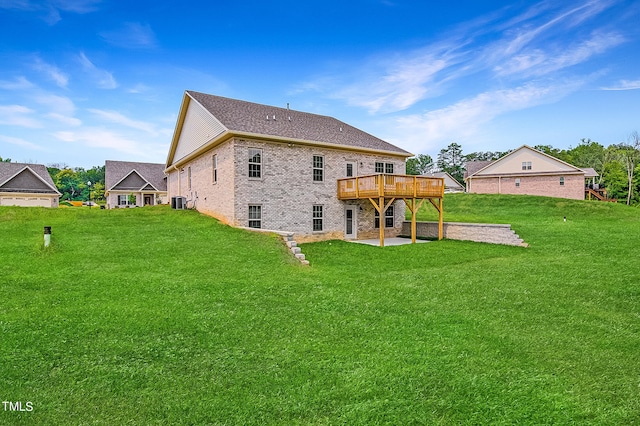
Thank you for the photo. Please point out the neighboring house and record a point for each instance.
(526, 171)
(450, 183)
(259, 166)
(27, 185)
(130, 184)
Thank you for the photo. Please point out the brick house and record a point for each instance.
(131, 184)
(27, 185)
(259, 166)
(526, 171)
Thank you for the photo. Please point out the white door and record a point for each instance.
(350, 223)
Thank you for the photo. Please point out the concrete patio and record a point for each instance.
(396, 241)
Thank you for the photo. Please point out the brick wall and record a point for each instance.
(286, 190)
(548, 186)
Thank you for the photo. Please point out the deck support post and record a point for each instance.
(413, 205)
(381, 221)
(440, 219)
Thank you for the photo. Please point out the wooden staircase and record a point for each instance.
(599, 194)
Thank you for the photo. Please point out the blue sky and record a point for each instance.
(84, 81)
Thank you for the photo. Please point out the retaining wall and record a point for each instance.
(479, 232)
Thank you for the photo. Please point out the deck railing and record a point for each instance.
(401, 186)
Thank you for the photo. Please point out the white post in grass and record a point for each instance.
(47, 236)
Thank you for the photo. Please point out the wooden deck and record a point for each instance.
(390, 186)
(382, 190)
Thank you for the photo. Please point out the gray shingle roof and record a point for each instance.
(152, 172)
(472, 167)
(242, 116)
(8, 170)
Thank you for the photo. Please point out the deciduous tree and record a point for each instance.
(419, 165)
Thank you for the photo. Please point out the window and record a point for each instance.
(122, 200)
(189, 177)
(349, 169)
(318, 168)
(526, 165)
(388, 168)
(317, 218)
(561, 180)
(255, 163)
(214, 167)
(388, 218)
(384, 168)
(517, 183)
(255, 216)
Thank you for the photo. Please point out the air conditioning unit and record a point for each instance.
(179, 203)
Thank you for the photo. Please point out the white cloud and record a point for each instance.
(59, 104)
(18, 83)
(538, 62)
(104, 79)
(118, 118)
(139, 88)
(464, 118)
(52, 72)
(624, 85)
(20, 142)
(62, 109)
(65, 119)
(132, 35)
(546, 39)
(18, 115)
(49, 10)
(96, 137)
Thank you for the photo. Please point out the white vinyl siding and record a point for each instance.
(199, 128)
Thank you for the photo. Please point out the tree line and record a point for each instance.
(78, 184)
(617, 165)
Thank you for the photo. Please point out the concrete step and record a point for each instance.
(300, 256)
(291, 244)
(295, 250)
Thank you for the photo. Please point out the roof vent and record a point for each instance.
(274, 117)
(267, 117)
(340, 128)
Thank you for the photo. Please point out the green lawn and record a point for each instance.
(155, 316)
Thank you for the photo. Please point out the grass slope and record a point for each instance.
(154, 316)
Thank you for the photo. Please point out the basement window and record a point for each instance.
(255, 216)
(317, 218)
(388, 218)
(561, 180)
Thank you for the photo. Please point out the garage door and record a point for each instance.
(25, 201)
